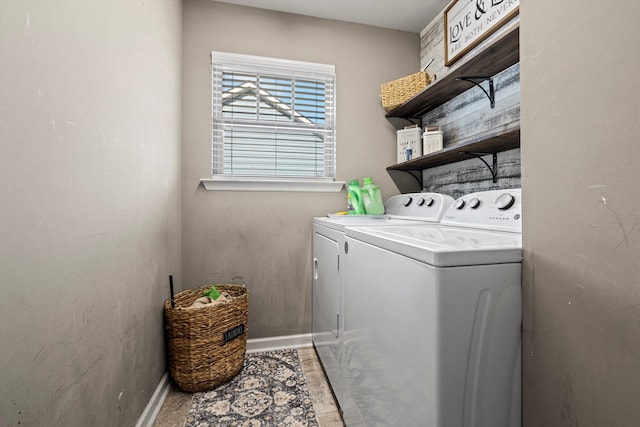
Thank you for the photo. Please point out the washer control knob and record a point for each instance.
(505, 201)
(420, 201)
(474, 203)
(429, 201)
(459, 204)
(407, 201)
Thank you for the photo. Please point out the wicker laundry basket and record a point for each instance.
(396, 92)
(207, 344)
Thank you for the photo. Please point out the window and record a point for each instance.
(273, 120)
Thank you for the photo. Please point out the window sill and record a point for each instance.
(249, 184)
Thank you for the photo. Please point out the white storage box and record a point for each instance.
(432, 139)
(409, 139)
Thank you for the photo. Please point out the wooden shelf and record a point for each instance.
(503, 52)
(500, 55)
(407, 176)
(490, 144)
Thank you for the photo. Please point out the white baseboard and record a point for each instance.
(255, 345)
(155, 403)
(278, 343)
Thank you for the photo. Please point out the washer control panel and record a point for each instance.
(418, 206)
(492, 210)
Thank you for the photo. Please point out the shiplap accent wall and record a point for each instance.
(469, 176)
(469, 116)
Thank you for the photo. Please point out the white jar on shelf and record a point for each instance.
(432, 139)
(409, 146)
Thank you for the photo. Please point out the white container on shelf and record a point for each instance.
(409, 139)
(432, 139)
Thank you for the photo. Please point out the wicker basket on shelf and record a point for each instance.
(397, 92)
(207, 344)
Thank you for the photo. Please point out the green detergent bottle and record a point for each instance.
(355, 198)
(372, 198)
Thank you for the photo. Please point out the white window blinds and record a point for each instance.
(272, 118)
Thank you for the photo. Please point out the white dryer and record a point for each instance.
(433, 318)
(328, 260)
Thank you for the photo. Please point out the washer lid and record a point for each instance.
(444, 246)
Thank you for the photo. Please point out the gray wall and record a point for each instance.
(266, 237)
(580, 127)
(89, 206)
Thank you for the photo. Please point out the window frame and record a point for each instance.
(278, 67)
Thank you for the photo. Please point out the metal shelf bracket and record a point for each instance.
(407, 180)
(476, 81)
(417, 175)
(493, 170)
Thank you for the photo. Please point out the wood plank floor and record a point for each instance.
(174, 410)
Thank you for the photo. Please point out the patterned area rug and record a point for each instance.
(270, 390)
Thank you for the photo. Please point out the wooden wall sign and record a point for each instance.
(468, 22)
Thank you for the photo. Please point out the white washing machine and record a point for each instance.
(432, 324)
(328, 260)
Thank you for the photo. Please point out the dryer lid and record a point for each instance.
(403, 208)
(341, 222)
